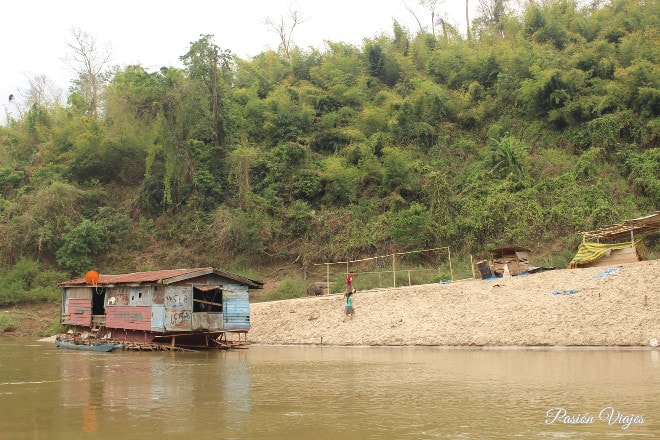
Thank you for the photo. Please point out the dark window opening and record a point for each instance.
(207, 299)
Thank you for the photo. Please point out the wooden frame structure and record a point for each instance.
(624, 231)
(516, 258)
(394, 268)
(615, 244)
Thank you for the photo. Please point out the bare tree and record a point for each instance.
(431, 7)
(491, 13)
(422, 29)
(284, 30)
(88, 61)
(438, 18)
(41, 93)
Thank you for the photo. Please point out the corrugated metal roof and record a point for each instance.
(162, 277)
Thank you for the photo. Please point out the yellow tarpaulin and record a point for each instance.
(589, 252)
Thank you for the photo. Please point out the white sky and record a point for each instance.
(155, 33)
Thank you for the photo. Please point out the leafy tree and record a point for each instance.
(10, 180)
(645, 174)
(307, 186)
(298, 219)
(241, 233)
(133, 101)
(382, 62)
(340, 181)
(508, 156)
(339, 69)
(29, 281)
(241, 160)
(398, 170)
(79, 246)
(206, 62)
(284, 119)
(182, 125)
(410, 228)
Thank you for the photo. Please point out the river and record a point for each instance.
(302, 392)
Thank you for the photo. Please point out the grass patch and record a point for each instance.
(289, 288)
(8, 323)
(33, 319)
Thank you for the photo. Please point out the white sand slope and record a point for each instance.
(603, 306)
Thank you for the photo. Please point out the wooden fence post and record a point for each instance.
(393, 270)
(451, 270)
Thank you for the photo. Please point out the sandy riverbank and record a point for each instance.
(603, 306)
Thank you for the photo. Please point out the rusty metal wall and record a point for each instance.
(78, 312)
(128, 317)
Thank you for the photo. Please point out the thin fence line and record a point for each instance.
(381, 256)
(393, 271)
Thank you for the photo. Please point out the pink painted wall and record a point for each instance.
(128, 317)
(79, 312)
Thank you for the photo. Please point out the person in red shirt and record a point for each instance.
(349, 283)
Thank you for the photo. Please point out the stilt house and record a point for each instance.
(183, 307)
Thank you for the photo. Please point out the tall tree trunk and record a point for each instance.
(467, 17)
(217, 117)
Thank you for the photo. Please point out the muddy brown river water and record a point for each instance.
(294, 392)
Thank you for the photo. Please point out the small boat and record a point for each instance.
(88, 345)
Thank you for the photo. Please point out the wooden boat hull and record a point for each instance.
(87, 347)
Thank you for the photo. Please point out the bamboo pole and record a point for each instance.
(383, 256)
(393, 270)
(451, 270)
(393, 255)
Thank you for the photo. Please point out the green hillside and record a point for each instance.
(543, 123)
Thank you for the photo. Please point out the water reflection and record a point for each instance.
(326, 393)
